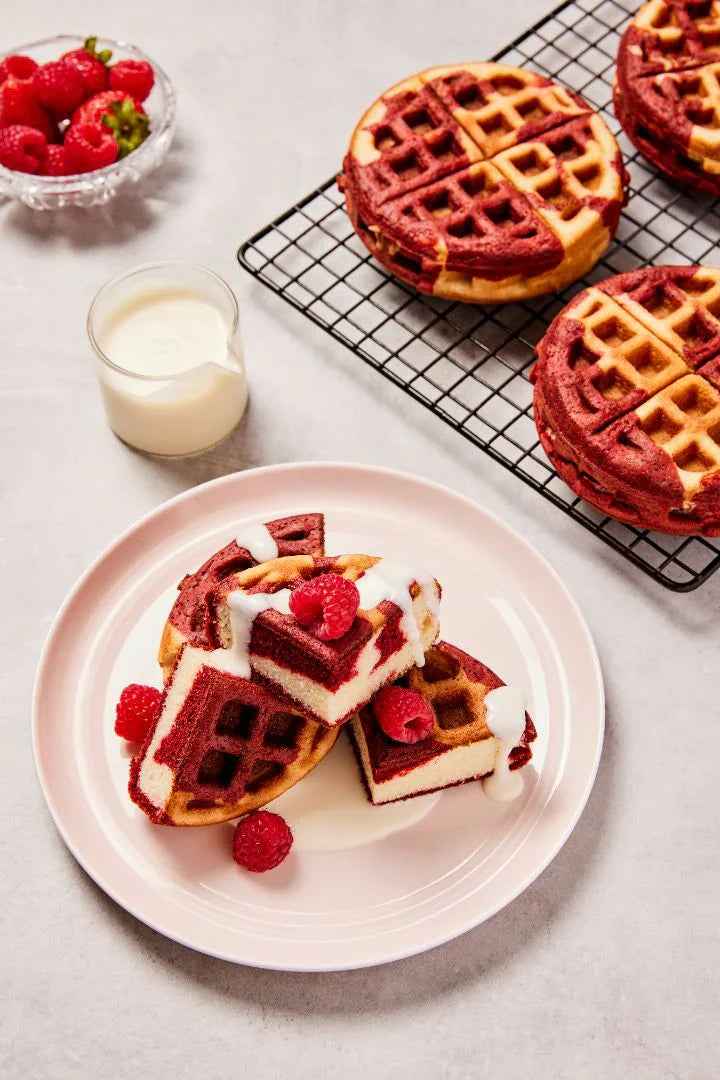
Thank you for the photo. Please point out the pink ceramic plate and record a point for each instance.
(363, 884)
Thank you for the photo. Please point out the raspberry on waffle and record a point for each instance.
(190, 620)
(528, 206)
(220, 747)
(461, 745)
(326, 679)
(667, 89)
(626, 398)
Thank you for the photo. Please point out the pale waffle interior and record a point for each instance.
(458, 703)
(623, 350)
(490, 110)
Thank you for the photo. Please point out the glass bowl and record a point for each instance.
(94, 188)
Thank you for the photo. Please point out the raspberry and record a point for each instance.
(135, 77)
(58, 86)
(89, 147)
(18, 106)
(404, 715)
(136, 712)
(326, 605)
(20, 66)
(22, 148)
(261, 841)
(55, 163)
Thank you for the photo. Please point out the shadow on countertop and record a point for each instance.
(134, 209)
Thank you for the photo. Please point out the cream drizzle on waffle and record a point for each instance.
(506, 719)
(389, 580)
(258, 540)
(244, 610)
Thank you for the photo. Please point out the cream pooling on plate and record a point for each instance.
(506, 720)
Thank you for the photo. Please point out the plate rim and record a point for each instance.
(228, 479)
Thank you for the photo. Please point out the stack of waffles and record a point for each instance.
(483, 183)
(627, 400)
(254, 699)
(667, 94)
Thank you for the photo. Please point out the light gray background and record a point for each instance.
(607, 966)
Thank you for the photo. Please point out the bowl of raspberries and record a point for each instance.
(78, 119)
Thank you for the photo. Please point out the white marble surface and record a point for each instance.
(607, 966)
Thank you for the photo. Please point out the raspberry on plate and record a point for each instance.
(22, 148)
(18, 106)
(20, 66)
(136, 711)
(89, 147)
(91, 64)
(261, 841)
(403, 715)
(326, 605)
(133, 77)
(59, 87)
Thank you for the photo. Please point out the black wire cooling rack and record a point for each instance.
(469, 365)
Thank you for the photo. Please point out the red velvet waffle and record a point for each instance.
(328, 680)
(460, 747)
(190, 619)
(667, 93)
(626, 398)
(221, 746)
(483, 182)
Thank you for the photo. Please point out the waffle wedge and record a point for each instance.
(461, 747)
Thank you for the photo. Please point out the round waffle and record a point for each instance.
(484, 183)
(626, 397)
(667, 89)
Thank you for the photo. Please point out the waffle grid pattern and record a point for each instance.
(470, 365)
